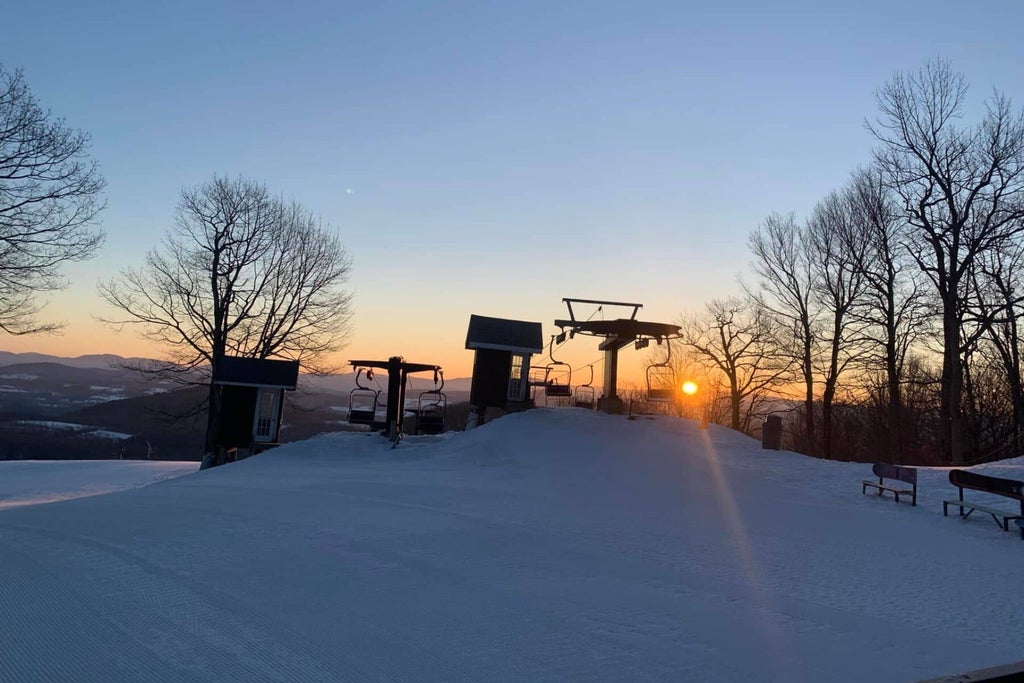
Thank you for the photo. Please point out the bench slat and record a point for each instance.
(1010, 488)
(983, 508)
(994, 513)
(885, 471)
(886, 487)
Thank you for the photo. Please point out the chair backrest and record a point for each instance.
(907, 474)
(552, 389)
(1010, 488)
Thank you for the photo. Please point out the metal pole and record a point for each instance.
(394, 416)
(610, 402)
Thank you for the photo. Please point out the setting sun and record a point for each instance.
(689, 388)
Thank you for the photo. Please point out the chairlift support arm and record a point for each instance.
(570, 301)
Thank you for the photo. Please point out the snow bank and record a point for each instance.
(547, 546)
(30, 482)
(54, 425)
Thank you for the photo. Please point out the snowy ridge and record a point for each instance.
(32, 482)
(546, 546)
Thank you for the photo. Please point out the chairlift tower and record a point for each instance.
(398, 371)
(616, 334)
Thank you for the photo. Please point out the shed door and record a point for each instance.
(266, 415)
(517, 378)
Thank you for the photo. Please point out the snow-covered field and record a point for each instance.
(31, 482)
(551, 545)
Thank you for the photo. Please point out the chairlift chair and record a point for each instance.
(363, 401)
(661, 379)
(538, 378)
(552, 387)
(584, 396)
(431, 407)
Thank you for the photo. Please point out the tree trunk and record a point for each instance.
(213, 404)
(809, 400)
(210, 445)
(1018, 414)
(831, 380)
(952, 385)
(895, 407)
(895, 438)
(735, 399)
(827, 398)
(1016, 388)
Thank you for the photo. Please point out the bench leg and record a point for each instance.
(945, 510)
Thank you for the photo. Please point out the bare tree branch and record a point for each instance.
(49, 193)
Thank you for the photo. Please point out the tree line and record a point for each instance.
(890, 316)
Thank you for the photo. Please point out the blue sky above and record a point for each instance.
(482, 157)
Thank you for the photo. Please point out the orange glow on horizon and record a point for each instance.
(440, 342)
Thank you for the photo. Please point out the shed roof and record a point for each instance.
(256, 372)
(516, 336)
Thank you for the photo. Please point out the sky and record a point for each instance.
(485, 157)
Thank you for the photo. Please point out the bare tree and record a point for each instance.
(838, 245)
(962, 190)
(48, 204)
(241, 273)
(784, 291)
(893, 308)
(998, 305)
(733, 338)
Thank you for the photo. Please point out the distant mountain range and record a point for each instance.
(340, 383)
(94, 407)
(98, 360)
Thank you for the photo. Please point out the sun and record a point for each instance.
(689, 388)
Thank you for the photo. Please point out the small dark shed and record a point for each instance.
(252, 400)
(501, 364)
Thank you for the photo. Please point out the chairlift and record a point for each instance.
(431, 407)
(538, 379)
(584, 395)
(363, 401)
(661, 379)
(553, 387)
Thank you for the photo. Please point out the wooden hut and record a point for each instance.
(252, 400)
(501, 363)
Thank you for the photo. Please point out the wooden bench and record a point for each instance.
(1008, 488)
(896, 473)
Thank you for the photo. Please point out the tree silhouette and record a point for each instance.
(242, 273)
(48, 204)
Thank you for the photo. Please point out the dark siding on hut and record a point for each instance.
(490, 378)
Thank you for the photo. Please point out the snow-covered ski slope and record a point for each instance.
(31, 482)
(551, 545)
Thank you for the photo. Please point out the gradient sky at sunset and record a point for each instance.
(486, 157)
